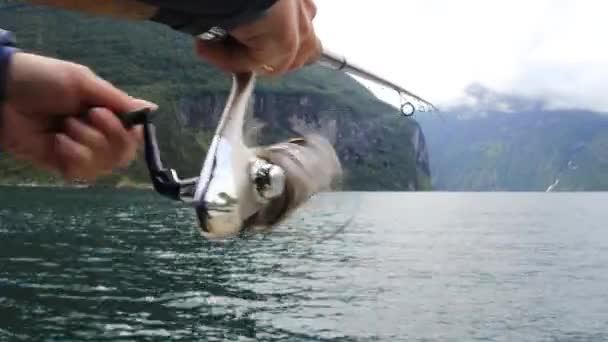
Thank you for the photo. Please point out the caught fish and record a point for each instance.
(242, 187)
(308, 166)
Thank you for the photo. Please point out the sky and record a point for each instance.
(552, 50)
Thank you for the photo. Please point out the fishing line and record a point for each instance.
(308, 246)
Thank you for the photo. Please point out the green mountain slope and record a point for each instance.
(158, 64)
(523, 151)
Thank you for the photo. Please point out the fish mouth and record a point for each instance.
(223, 195)
(203, 215)
(218, 223)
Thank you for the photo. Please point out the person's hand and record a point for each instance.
(42, 91)
(282, 41)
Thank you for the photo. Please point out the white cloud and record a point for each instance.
(552, 49)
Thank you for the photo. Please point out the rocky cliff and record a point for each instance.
(372, 143)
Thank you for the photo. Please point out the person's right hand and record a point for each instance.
(283, 40)
(41, 91)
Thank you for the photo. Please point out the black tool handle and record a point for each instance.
(135, 118)
(128, 119)
(164, 180)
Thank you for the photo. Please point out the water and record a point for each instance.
(80, 265)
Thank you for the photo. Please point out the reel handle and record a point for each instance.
(135, 118)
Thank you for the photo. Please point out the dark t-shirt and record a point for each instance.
(198, 16)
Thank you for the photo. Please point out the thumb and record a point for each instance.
(97, 92)
(141, 103)
(137, 132)
(229, 56)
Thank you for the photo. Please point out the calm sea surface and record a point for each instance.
(79, 265)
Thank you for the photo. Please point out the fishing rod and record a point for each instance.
(335, 61)
(339, 62)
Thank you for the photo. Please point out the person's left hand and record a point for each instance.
(43, 91)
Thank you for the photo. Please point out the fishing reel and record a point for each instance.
(242, 187)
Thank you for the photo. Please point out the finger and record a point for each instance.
(97, 92)
(279, 52)
(36, 150)
(137, 134)
(269, 57)
(44, 166)
(122, 144)
(38, 147)
(230, 57)
(317, 51)
(311, 47)
(285, 65)
(309, 53)
(88, 136)
(140, 104)
(76, 160)
(298, 40)
(39, 161)
(278, 66)
(310, 8)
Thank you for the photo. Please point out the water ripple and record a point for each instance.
(125, 266)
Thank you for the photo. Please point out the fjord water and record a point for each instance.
(106, 265)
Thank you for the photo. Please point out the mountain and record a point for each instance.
(380, 149)
(508, 143)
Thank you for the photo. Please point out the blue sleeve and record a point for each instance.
(7, 49)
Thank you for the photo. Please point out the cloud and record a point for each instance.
(550, 49)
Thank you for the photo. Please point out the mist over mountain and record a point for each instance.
(479, 100)
(501, 142)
